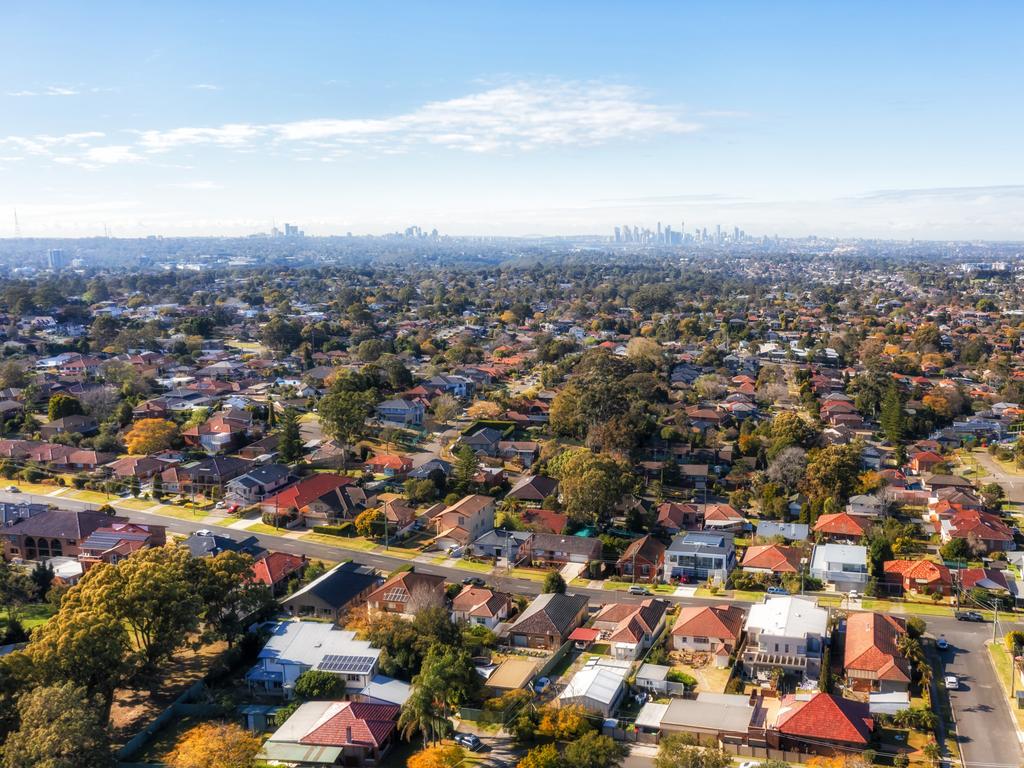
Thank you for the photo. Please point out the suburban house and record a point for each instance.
(296, 646)
(113, 543)
(841, 527)
(821, 723)
(499, 543)
(276, 569)
(548, 621)
(206, 477)
(922, 577)
(223, 432)
(401, 412)
(772, 558)
(925, 462)
(406, 593)
(68, 425)
(207, 544)
(350, 733)
(643, 559)
(988, 529)
(841, 566)
(463, 521)
(555, 549)
(544, 520)
(700, 556)
(710, 718)
(674, 517)
(388, 465)
(481, 606)
(330, 595)
(785, 632)
(598, 687)
(532, 490)
(630, 629)
(142, 467)
(714, 629)
(258, 483)
(54, 533)
(865, 505)
(317, 499)
(723, 517)
(871, 656)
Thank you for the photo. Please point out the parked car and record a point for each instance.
(776, 591)
(969, 616)
(638, 590)
(541, 684)
(13, 489)
(204, 532)
(952, 683)
(469, 740)
(854, 594)
(942, 644)
(473, 581)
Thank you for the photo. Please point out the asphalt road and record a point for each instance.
(985, 725)
(1012, 484)
(986, 728)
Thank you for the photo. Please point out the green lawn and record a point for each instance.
(1001, 662)
(141, 504)
(528, 573)
(268, 529)
(33, 615)
(920, 609)
(469, 565)
(343, 542)
(94, 496)
(170, 510)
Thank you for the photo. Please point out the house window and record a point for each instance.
(700, 640)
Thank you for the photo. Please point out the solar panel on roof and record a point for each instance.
(396, 595)
(357, 665)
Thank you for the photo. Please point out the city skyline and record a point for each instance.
(790, 119)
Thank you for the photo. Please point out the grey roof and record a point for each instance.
(64, 524)
(338, 586)
(702, 541)
(712, 712)
(577, 545)
(214, 544)
(791, 531)
(553, 613)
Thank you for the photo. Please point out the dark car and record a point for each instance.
(969, 616)
(473, 581)
(469, 740)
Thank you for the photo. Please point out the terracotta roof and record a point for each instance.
(356, 723)
(275, 567)
(841, 524)
(307, 491)
(773, 557)
(480, 601)
(871, 646)
(399, 588)
(825, 717)
(919, 570)
(718, 621)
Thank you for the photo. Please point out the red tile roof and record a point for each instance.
(840, 524)
(276, 567)
(722, 622)
(825, 717)
(871, 647)
(773, 557)
(356, 724)
(307, 491)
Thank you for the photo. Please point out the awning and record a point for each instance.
(586, 634)
(287, 751)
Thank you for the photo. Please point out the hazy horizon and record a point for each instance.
(789, 119)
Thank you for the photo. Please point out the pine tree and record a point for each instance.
(891, 418)
(290, 445)
(466, 466)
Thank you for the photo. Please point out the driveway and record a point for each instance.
(985, 726)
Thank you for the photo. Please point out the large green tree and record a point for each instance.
(289, 444)
(343, 414)
(591, 484)
(61, 727)
(892, 419)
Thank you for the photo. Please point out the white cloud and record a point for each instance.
(50, 90)
(199, 184)
(205, 87)
(516, 117)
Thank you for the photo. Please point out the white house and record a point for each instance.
(297, 646)
(598, 687)
(842, 566)
(785, 632)
(406, 413)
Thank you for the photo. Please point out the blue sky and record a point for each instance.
(868, 119)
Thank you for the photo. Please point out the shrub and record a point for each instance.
(345, 529)
(678, 676)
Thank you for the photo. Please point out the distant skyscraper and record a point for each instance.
(618, 235)
(55, 259)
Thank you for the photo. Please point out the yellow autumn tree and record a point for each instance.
(214, 745)
(439, 756)
(150, 435)
(563, 723)
(483, 409)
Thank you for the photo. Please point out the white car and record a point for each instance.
(13, 489)
(204, 532)
(952, 683)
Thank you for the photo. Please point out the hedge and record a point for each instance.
(345, 529)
